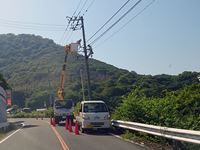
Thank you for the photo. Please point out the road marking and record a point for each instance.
(62, 142)
(6, 138)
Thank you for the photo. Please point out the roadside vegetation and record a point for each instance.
(33, 114)
(176, 109)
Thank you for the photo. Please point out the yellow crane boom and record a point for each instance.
(60, 92)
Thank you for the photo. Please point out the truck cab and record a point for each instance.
(63, 109)
(93, 115)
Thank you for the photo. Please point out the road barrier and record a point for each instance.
(190, 136)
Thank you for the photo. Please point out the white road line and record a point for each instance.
(12, 134)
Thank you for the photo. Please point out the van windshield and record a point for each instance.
(63, 104)
(95, 107)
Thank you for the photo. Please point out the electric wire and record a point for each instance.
(123, 26)
(109, 20)
(30, 23)
(70, 35)
(76, 8)
(95, 40)
(88, 7)
(66, 29)
(82, 8)
(28, 28)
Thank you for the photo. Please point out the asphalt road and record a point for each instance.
(39, 135)
(35, 135)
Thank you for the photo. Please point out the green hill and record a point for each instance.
(29, 62)
(3, 82)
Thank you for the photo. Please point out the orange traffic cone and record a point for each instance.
(76, 128)
(51, 122)
(70, 126)
(66, 124)
(54, 122)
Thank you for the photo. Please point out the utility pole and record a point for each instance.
(76, 24)
(82, 84)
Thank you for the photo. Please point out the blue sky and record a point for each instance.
(165, 38)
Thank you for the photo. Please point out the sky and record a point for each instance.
(163, 39)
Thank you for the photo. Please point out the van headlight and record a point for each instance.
(86, 117)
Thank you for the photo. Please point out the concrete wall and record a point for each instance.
(3, 117)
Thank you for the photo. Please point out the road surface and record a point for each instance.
(39, 135)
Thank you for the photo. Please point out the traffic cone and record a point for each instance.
(70, 126)
(76, 128)
(51, 123)
(54, 122)
(67, 124)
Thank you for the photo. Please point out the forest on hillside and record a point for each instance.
(34, 65)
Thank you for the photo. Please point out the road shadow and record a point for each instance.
(98, 132)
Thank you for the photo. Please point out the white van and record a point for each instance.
(93, 115)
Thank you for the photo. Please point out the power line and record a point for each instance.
(29, 28)
(122, 27)
(65, 31)
(88, 7)
(77, 8)
(69, 37)
(116, 22)
(70, 19)
(82, 8)
(109, 19)
(31, 23)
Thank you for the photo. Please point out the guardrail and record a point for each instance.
(190, 136)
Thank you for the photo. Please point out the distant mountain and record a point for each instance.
(3, 83)
(32, 64)
(28, 62)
